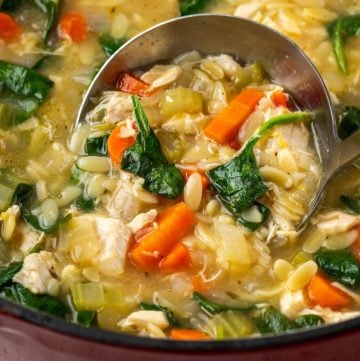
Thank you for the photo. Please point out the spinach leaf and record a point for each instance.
(110, 45)
(45, 303)
(238, 182)
(248, 223)
(146, 159)
(96, 146)
(212, 307)
(173, 321)
(351, 205)
(273, 321)
(306, 321)
(349, 121)
(84, 203)
(340, 31)
(340, 265)
(85, 318)
(33, 221)
(189, 7)
(22, 91)
(7, 274)
(9, 5)
(51, 8)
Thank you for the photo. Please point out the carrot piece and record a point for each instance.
(323, 293)
(224, 127)
(204, 179)
(187, 334)
(117, 145)
(130, 84)
(143, 232)
(73, 26)
(178, 258)
(172, 225)
(199, 285)
(280, 99)
(9, 28)
(356, 245)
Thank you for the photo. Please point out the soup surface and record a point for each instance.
(172, 211)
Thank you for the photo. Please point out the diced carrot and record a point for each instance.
(187, 334)
(322, 292)
(199, 285)
(280, 99)
(128, 83)
(143, 232)
(117, 145)
(177, 259)
(356, 245)
(204, 179)
(173, 224)
(9, 28)
(224, 127)
(73, 26)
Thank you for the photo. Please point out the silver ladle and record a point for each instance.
(248, 41)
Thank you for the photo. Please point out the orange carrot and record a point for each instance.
(187, 334)
(9, 28)
(73, 26)
(204, 179)
(224, 127)
(356, 245)
(127, 83)
(117, 145)
(178, 258)
(322, 292)
(280, 99)
(172, 225)
(199, 285)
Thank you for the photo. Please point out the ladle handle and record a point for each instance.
(343, 152)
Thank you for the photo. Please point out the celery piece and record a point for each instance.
(88, 296)
(171, 145)
(181, 100)
(253, 73)
(230, 324)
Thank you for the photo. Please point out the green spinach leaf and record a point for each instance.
(85, 318)
(96, 146)
(110, 45)
(340, 31)
(173, 321)
(7, 274)
(10, 5)
(351, 205)
(189, 7)
(349, 121)
(84, 203)
(306, 321)
(45, 303)
(51, 8)
(238, 182)
(212, 307)
(340, 265)
(22, 91)
(146, 159)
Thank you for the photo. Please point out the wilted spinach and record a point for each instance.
(146, 159)
(7, 273)
(109, 44)
(351, 205)
(189, 7)
(173, 321)
(349, 121)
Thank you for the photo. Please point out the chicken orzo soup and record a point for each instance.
(172, 210)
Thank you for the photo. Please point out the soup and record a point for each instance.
(172, 211)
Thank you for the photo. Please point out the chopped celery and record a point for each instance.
(300, 258)
(253, 73)
(229, 324)
(181, 100)
(171, 145)
(88, 296)
(85, 318)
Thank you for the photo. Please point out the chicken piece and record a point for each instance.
(146, 323)
(142, 220)
(292, 303)
(335, 222)
(27, 237)
(329, 315)
(114, 236)
(38, 271)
